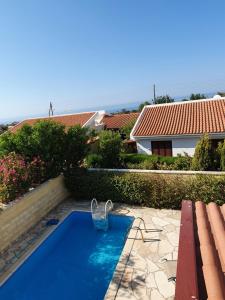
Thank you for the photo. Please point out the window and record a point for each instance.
(163, 148)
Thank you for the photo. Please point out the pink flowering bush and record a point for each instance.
(14, 177)
(17, 175)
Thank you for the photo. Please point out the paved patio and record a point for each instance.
(141, 272)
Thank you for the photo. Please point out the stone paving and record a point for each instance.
(142, 272)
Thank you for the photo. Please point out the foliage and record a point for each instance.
(182, 162)
(76, 145)
(50, 142)
(36, 171)
(126, 129)
(197, 96)
(14, 177)
(142, 105)
(3, 128)
(222, 94)
(153, 190)
(6, 143)
(163, 99)
(146, 160)
(203, 157)
(110, 148)
(93, 160)
(221, 153)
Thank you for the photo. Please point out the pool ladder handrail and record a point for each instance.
(138, 228)
(94, 202)
(145, 228)
(108, 206)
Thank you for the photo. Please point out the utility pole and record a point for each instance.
(50, 111)
(154, 93)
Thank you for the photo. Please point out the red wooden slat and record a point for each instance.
(186, 277)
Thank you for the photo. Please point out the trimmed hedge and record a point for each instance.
(135, 158)
(152, 190)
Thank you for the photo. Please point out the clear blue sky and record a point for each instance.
(82, 53)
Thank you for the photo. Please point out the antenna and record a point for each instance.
(154, 93)
(50, 111)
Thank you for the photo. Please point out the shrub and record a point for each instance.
(93, 161)
(76, 145)
(36, 171)
(221, 154)
(153, 190)
(126, 130)
(203, 157)
(149, 162)
(7, 144)
(48, 141)
(14, 177)
(110, 148)
(45, 139)
(182, 163)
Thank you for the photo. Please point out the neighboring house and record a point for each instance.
(85, 119)
(116, 122)
(175, 128)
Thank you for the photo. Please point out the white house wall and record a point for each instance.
(182, 146)
(179, 146)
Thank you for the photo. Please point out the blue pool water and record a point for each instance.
(75, 262)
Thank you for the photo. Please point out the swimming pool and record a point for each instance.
(75, 262)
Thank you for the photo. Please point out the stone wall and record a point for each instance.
(25, 213)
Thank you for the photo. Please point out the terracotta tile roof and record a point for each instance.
(119, 120)
(193, 117)
(67, 120)
(211, 234)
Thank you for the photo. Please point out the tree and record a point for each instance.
(7, 144)
(222, 94)
(197, 96)
(142, 105)
(203, 157)
(221, 153)
(110, 148)
(126, 130)
(76, 146)
(45, 139)
(163, 99)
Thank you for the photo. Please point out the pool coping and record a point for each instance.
(114, 284)
(119, 271)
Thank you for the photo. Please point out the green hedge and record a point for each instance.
(152, 190)
(135, 158)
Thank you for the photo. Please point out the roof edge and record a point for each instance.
(184, 102)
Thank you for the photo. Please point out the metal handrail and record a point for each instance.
(93, 201)
(143, 221)
(108, 202)
(138, 228)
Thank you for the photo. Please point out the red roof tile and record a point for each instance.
(120, 120)
(67, 120)
(194, 117)
(211, 235)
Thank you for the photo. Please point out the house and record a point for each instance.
(118, 121)
(84, 119)
(175, 128)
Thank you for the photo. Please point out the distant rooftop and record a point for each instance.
(119, 120)
(67, 120)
